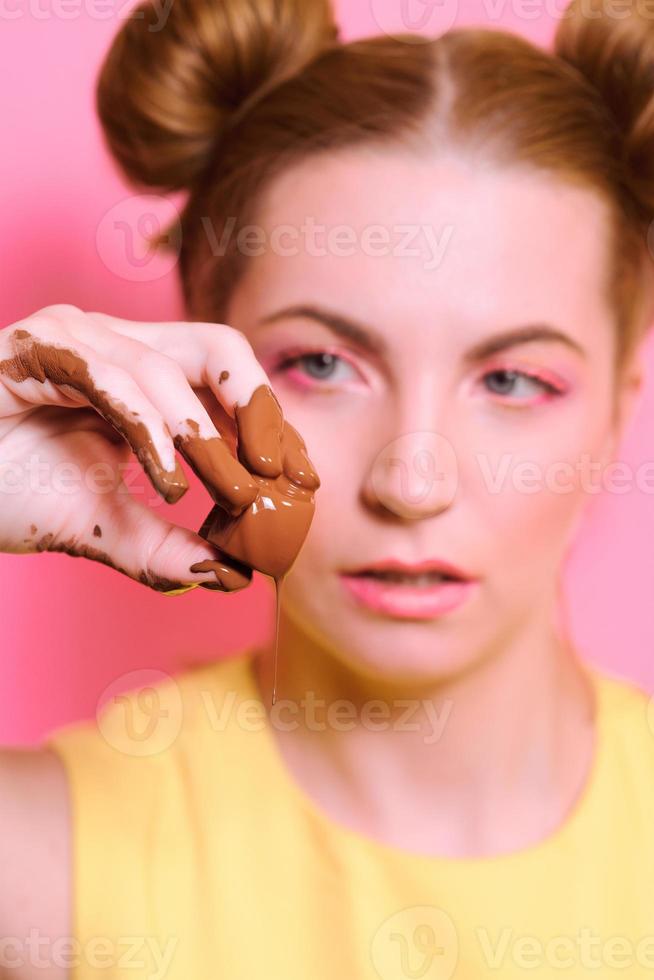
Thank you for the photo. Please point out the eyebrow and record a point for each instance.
(359, 334)
(338, 324)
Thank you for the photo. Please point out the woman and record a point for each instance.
(437, 256)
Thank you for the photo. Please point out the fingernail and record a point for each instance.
(297, 464)
(260, 424)
(170, 484)
(182, 590)
(228, 577)
(300, 470)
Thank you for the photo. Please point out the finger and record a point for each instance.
(43, 366)
(221, 358)
(260, 427)
(297, 464)
(194, 434)
(131, 538)
(224, 423)
(211, 354)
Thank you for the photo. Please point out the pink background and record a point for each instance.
(71, 627)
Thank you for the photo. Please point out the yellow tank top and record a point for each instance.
(197, 856)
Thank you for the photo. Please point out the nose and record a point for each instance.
(413, 476)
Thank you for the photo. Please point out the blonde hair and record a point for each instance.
(227, 94)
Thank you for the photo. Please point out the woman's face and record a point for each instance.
(379, 303)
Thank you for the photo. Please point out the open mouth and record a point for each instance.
(401, 594)
(414, 579)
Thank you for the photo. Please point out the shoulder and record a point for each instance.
(627, 713)
(34, 847)
(143, 723)
(135, 774)
(625, 699)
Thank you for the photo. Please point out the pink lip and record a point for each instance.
(402, 601)
(397, 565)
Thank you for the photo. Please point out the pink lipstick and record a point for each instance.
(402, 590)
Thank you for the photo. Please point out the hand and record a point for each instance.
(85, 391)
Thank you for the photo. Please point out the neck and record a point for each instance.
(489, 759)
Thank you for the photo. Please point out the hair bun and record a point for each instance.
(615, 52)
(170, 83)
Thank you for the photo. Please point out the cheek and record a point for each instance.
(532, 486)
(336, 448)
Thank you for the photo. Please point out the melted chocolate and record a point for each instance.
(268, 535)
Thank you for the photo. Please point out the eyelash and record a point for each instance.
(549, 388)
(292, 360)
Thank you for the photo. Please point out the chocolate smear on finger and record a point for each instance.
(228, 577)
(260, 425)
(40, 361)
(227, 480)
(77, 549)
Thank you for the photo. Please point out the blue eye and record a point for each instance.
(508, 382)
(317, 366)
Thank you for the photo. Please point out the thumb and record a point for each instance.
(137, 542)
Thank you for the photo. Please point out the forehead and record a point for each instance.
(392, 237)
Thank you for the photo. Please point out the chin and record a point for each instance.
(402, 652)
(408, 654)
